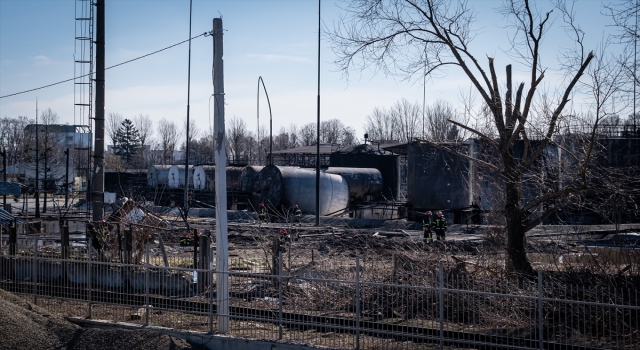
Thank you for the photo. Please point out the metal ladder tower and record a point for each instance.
(83, 94)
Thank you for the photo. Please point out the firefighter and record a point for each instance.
(297, 214)
(262, 213)
(186, 240)
(285, 240)
(439, 225)
(426, 227)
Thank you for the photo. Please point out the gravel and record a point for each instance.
(26, 326)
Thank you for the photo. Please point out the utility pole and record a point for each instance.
(186, 164)
(98, 157)
(66, 179)
(635, 69)
(37, 186)
(260, 80)
(4, 176)
(318, 132)
(220, 139)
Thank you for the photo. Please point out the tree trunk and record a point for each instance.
(516, 254)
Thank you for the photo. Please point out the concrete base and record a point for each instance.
(213, 342)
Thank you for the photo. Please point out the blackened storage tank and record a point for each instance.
(364, 183)
(204, 177)
(285, 186)
(158, 175)
(250, 178)
(234, 178)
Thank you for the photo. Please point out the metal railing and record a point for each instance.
(354, 304)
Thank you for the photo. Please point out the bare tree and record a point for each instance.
(405, 37)
(236, 137)
(168, 139)
(12, 138)
(625, 15)
(112, 124)
(333, 131)
(438, 129)
(144, 125)
(193, 133)
(401, 122)
(308, 135)
(407, 118)
(379, 126)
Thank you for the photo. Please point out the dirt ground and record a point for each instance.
(26, 326)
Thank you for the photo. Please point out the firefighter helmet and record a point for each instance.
(428, 213)
(439, 214)
(295, 206)
(283, 231)
(262, 204)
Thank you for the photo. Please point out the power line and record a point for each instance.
(115, 65)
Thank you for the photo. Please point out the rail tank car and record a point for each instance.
(176, 176)
(250, 178)
(234, 178)
(285, 186)
(158, 175)
(364, 183)
(204, 177)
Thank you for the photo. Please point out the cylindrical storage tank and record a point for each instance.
(249, 178)
(158, 175)
(234, 178)
(362, 182)
(286, 186)
(204, 177)
(176, 177)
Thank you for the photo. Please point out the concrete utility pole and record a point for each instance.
(188, 126)
(221, 180)
(37, 187)
(4, 177)
(66, 179)
(98, 156)
(318, 132)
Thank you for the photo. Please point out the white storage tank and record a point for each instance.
(158, 175)
(204, 177)
(176, 177)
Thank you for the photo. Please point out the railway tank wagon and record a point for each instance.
(282, 187)
(204, 177)
(365, 184)
(158, 175)
(177, 178)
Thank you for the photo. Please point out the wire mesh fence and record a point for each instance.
(306, 296)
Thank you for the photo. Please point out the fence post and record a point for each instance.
(280, 295)
(34, 272)
(146, 284)
(540, 313)
(89, 288)
(65, 239)
(13, 239)
(196, 242)
(210, 267)
(441, 297)
(203, 277)
(357, 303)
(128, 244)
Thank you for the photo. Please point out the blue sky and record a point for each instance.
(275, 39)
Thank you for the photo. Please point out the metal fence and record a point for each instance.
(323, 302)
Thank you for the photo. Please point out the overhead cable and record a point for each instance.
(115, 65)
